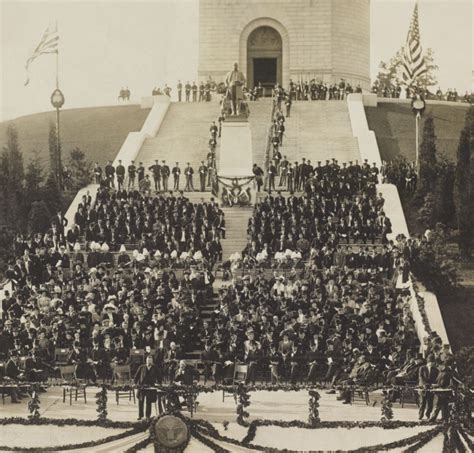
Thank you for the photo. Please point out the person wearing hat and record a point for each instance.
(176, 174)
(188, 173)
(443, 398)
(156, 172)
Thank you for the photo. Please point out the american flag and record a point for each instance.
(414, 64)
(48, 44)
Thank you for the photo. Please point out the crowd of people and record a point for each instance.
(401, 173)
(395, 91)
(340, 204)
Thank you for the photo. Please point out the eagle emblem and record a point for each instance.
(171, 431)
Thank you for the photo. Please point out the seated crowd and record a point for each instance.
(163, 224)
(340, 204)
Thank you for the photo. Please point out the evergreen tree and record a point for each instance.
(11, 181)
(39, 217)
(427, 159)
(33, 177)
(443, 207)
(464, 186)
(81, 169)
(51, 194)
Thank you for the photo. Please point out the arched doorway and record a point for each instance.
(264, 58)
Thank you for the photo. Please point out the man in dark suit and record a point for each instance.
(132, 171)
(110, 174)
(140, 173)
(120, 172)
(165, 174)
(258, 173)
(156, 171)
(202, 176)
(188, 173)
(272, 172)
(180, 90)
(176, 172)
(427, 376)
(147, 376)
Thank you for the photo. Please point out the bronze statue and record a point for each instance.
(235, 80)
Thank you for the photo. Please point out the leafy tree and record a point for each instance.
(432, 265)
(81, 169)
(39, 217)
(390, 73)
(464, 186)
(427, 159)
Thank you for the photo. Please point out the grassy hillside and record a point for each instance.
(98, 131)
(394, 127)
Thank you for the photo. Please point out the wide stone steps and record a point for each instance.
(236, 220)
(318, 131)
(183, 137)
(259, 120)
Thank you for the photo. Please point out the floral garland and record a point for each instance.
(243, 397)
(207, 442)
(34, 403)
(424, 437)
(101, 401)
(313, 404)
(387, 408)
(420, 301)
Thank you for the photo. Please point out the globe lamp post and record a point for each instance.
(57, 101)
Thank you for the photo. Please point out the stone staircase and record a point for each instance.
(236, 222)
(259, 120)
(318, 131)
(183, 137)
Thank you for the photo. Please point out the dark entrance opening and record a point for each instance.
(265, 71)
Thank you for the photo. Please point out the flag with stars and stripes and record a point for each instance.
(414, 64)
(47, 45)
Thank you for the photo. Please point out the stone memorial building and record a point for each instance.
(277, 40)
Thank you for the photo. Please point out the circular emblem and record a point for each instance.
(171, 431)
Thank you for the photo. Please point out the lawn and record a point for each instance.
(98, 131)
(394, 127)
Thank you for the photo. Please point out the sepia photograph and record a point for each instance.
(237, 226)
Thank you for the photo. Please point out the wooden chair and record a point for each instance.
(240, 376)
(122, 375)
(360, 393)
(409, 394)
(71, 384)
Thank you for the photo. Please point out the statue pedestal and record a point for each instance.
(235, 154)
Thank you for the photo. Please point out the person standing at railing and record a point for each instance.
(188, 173)
(176, 171)
(258, 173)
(165, 174)
(147, 376)
(180, 90)
(427, 377)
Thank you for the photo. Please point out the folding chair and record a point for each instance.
(71, 384)
(409, 394)
(61, 356)
(137, 358)
(240, 376)
(122, 375)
